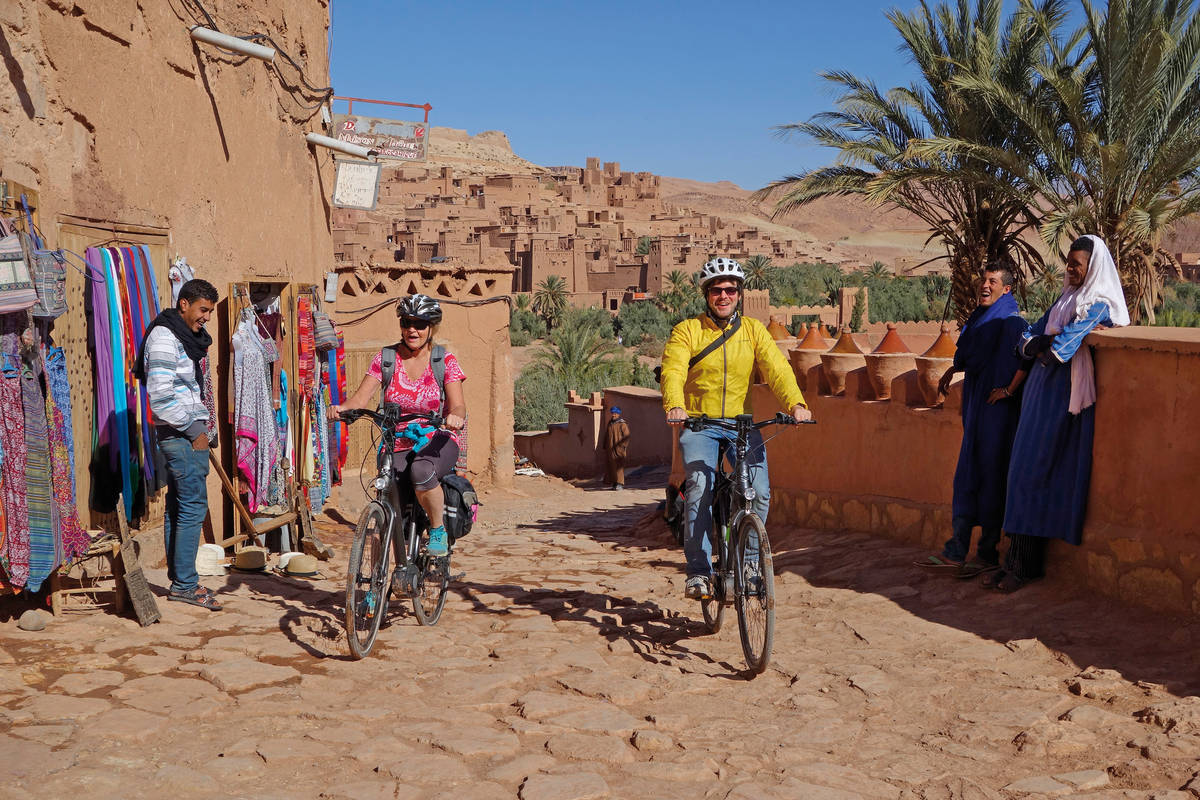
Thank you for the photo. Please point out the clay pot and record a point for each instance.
(886, 362)
(807, 354)
(932, 365)
(777, 331)
(841, 358)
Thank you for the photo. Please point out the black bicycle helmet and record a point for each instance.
(420, 306)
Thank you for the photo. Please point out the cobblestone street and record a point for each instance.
(568, 665)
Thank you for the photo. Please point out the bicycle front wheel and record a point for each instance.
(754, 595)
(367, 580)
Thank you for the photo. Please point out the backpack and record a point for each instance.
(461, 506)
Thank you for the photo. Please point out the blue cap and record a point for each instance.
(615, 410)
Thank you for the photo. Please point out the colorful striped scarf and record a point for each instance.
(15, 555)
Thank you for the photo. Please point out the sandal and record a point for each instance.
(938, 563)
(992, 579)
(1011, 582)
(976, 567)
(200, 596)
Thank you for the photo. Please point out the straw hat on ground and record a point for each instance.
(301, 566)
(250, 559)
(208, 559)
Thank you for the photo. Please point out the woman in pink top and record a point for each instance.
(414, 389)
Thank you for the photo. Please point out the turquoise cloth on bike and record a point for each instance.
(701, 450)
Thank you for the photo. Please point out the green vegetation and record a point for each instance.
(640, 321)
(1181, 305)
(759, 272)
(643, 245)
(550, 299)
(856, 313)
(579, 355)
(524, 327)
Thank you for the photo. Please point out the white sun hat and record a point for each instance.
(208, 559)
(284, 558)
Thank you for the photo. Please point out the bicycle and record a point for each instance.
(737, 579)
(394, 507)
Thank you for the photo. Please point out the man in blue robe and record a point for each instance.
(1051, 465)
(990, 407)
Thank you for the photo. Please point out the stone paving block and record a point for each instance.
(580, 786)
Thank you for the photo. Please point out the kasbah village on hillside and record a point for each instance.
(259, 337)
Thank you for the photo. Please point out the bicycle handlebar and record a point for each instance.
(705, 421)
(381, 419)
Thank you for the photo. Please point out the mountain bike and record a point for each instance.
(741, 577)
(393, 523)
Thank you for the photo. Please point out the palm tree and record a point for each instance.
(521, 302)
(576, 355)
(679, 281)
(956, 195)
(1111, 143)
(758, 272)
(877, 273)
(550, 299)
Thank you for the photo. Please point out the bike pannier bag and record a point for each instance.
(461, 506)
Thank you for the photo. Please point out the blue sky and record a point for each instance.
(687, 89)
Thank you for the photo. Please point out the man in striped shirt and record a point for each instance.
(174, 364)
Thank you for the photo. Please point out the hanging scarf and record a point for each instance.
(15, 556)
(1102, 284)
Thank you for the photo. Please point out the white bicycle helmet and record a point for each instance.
(720, 267)
(420, 306)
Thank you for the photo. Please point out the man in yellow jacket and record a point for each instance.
(716, 385)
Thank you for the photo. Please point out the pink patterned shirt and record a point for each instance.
(419, 396)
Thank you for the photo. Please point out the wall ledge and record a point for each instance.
(1138, 337)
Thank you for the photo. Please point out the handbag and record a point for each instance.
(49, 276)
(16, 285)
(323, 332)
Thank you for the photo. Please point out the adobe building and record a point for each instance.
(120, 128)
(583, 224)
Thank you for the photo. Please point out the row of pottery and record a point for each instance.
(888, 361)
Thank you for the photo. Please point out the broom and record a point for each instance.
(140, 595)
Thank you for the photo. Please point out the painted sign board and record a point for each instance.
(395, 140)
(356, 185)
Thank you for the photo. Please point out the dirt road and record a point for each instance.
(568, 665)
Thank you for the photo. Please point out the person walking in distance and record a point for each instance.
(707, 367)
(616, 447)
(987, 353)
(174, 364)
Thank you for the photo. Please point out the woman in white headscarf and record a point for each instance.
(1051, 463)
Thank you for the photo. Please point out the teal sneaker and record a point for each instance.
(439, 543)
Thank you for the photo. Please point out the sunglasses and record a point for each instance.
(415, 324)
(732, 291)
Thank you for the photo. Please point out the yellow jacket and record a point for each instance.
(717, 385)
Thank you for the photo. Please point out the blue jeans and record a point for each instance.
(701, 451)
(187, 505)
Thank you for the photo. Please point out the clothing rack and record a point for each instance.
(299, 512)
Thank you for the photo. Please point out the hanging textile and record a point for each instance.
(37, 479)
(72, 539)
(119, 455)
(308, 347)
(106, 481)
(15, 556)
(255, 430)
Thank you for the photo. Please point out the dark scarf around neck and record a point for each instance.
(195, 343)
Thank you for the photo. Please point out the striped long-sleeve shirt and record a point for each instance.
(175, 397)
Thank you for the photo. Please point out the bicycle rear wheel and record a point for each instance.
(430, 596)
(367, 580)
(754, 593)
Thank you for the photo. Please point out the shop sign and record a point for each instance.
(394, 140)
(356, 185)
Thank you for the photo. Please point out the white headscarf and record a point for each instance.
(1101, 284)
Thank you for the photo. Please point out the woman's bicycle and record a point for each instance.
(392, 523)
(742, 575)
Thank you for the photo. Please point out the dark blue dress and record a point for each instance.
(1051, 463)
(987, 354)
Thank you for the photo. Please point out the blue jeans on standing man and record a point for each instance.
(187, 505)
(701, 453)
